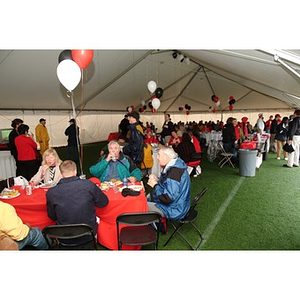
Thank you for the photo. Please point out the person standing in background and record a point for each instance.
(27, 152)
(273, 131)
(294, 140)
(167, 129)
(73, 141)
(13, 134)
(42, 136)
(268, 124)
(123, 126)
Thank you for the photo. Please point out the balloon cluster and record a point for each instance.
(130, 108)
(154, 103)
(216, 100)
(143, 108)
(231, 101)
(187, 108)
(69, 64)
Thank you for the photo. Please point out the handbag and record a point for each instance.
(288, 148)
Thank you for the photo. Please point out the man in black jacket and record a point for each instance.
(73, 141)
(294, 140)
(135, 147)
(73, 200)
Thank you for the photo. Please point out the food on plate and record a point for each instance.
(9, 193)
(104, 186)
(115, 181)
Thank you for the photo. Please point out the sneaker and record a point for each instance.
(286, 158)
(287, 166)
(278, 158)
(295, 165)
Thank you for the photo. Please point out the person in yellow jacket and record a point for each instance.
(42, 136)
(12, 226)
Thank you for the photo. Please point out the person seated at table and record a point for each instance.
(175, 139)
(150, 137)
(172, 191)
(116, 165)
(12, 226)
(122, 142)
(49, 170)
(27, 152)
(73, 200)
(186, 148)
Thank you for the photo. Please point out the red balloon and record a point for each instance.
(231, 97)
(132, 107)
(214, 110)
(187, 112)
(153, 110)
(82, 57)
(230, 107)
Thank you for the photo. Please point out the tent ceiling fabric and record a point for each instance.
(116, 79)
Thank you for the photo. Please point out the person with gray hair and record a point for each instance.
(116, 165)
(172, 190)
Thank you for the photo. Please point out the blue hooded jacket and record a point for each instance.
(172, 194)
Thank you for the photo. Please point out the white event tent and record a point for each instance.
(264, 81)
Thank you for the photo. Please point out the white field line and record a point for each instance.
(220, 213)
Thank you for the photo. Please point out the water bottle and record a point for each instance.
(125, 182)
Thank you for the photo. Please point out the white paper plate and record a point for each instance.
(9, 197)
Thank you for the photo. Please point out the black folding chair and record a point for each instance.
(70, 237)
(140, 230)
(189, 218)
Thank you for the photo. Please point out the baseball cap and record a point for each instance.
(135, 115)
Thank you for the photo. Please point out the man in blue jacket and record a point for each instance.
(172, 191)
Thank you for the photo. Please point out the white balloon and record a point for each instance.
(69, 74)
(143, 102)
(218, 103)
(156, 103)
(130, 109)
(152, 86)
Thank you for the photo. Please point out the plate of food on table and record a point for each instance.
(9, 194)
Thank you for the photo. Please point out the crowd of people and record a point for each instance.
(72, 200)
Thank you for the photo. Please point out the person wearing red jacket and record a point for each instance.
(27, 152)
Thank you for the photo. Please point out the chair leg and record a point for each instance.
(185, 239)
(174, 232)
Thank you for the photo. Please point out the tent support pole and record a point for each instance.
(184, 88)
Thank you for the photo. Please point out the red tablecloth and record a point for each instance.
(107, 230)
(113, 136)
(31, 209)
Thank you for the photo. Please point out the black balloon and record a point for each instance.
(186, 106)
(140, 109)
(150, 104)
(159, 92)
(145, 107)
(189, 108)
(231, 102)
(66, 54)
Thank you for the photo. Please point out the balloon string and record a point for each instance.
(76, 134)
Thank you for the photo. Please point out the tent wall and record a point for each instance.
(96, 126)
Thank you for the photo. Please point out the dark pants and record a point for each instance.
(28, 168)
(72, 153)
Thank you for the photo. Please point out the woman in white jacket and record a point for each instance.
(48, 172)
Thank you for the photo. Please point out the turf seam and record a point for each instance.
(209, 230)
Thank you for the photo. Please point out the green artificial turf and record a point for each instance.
(236, 213)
